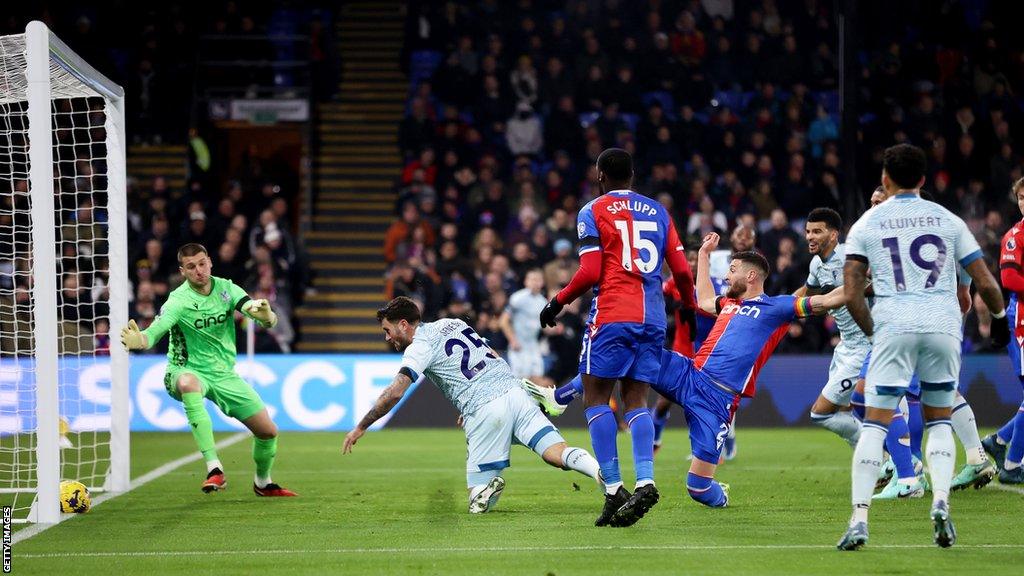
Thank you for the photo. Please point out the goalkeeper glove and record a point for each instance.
(260, 311)
(550, 311)
(132, 338)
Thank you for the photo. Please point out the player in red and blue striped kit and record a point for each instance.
(709, 387)
(624, 237)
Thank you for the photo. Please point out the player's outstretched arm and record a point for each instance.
(822, 303)
(854, 280)
(260, 311)
(993, 297)
(706, 296)
(385, 402)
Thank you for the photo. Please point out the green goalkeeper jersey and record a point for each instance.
(202, 328)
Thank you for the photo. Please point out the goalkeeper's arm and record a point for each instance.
(260, 311)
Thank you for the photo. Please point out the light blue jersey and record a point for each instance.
(912, 247)
(829, 272)
(524, 308)
(460, 363)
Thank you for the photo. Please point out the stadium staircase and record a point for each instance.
(145, 162)
(354, 173)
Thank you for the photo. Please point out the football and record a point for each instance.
(74, 497)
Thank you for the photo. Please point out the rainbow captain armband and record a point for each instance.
(802, 306)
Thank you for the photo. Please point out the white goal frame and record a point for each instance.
(44, 51)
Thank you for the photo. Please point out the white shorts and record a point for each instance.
(894, 360)
(491, 430)
(526, 362)
(844, 372)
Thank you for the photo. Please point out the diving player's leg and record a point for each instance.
(828, 410)
(906, 482)
(488, 442)
(709, 411)
(185, 385)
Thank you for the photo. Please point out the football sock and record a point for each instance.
(603, 429)
(581, 461)
(566, 393)
(897, 442)
(1015, 453)
(705, 490)
(941, 457)
(1005, 434)
(202, 426)
(857, 405)
(915, 421)
(967, 431)
(214, 464)
(867, 462)
(263, 452)
(659, 421)
(842, 423)
(641, 430)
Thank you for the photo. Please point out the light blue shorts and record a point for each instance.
(895, 359)
(491, 430)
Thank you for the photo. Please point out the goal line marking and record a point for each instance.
(34, 529)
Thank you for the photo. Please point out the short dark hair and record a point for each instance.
(400, 308)
(830, 217)
(191, 249)
(755, 259)
(905, 164)
(617, 165)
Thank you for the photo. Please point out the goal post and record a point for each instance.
(63, 276)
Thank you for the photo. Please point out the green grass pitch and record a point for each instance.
(398, 506)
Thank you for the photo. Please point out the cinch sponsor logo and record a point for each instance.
(201, 323)
(752, 311)
(635, 205)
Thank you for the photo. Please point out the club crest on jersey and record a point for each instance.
(581, 230)
(225, 296)
(1011, 245)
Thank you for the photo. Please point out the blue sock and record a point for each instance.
(915, 422)
(1006, 432)
(899, 452)
(857, 405)
(659, 424)
(705, 490)
(603, 428)
(566, 393)
(641, 429)
(1015, 453)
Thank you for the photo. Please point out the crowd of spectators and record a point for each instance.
(729, 108)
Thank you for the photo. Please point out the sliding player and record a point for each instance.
(494, 409)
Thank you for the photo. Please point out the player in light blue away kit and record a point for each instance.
(916, 324)
(495, 410)
(830, 410)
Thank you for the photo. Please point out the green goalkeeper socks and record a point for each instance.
(263, 452)
(202, 426)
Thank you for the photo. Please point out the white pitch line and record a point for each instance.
(685, 548)
(22, 535)
(1006, 488)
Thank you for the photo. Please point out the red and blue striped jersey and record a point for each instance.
(634, 234)
(744, 337)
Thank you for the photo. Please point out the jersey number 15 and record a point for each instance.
(648, 265)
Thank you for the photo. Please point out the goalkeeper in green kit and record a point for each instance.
(199, 315)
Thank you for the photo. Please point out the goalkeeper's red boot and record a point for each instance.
(215, 481)
(272, 490)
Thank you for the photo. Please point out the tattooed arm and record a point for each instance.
(385, 402)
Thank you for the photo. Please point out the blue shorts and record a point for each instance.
(913, 390)
(709, 410)
(623, 350)
(1015, 350)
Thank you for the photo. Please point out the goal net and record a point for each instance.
(63, 276)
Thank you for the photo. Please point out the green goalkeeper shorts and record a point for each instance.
(234, 396)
